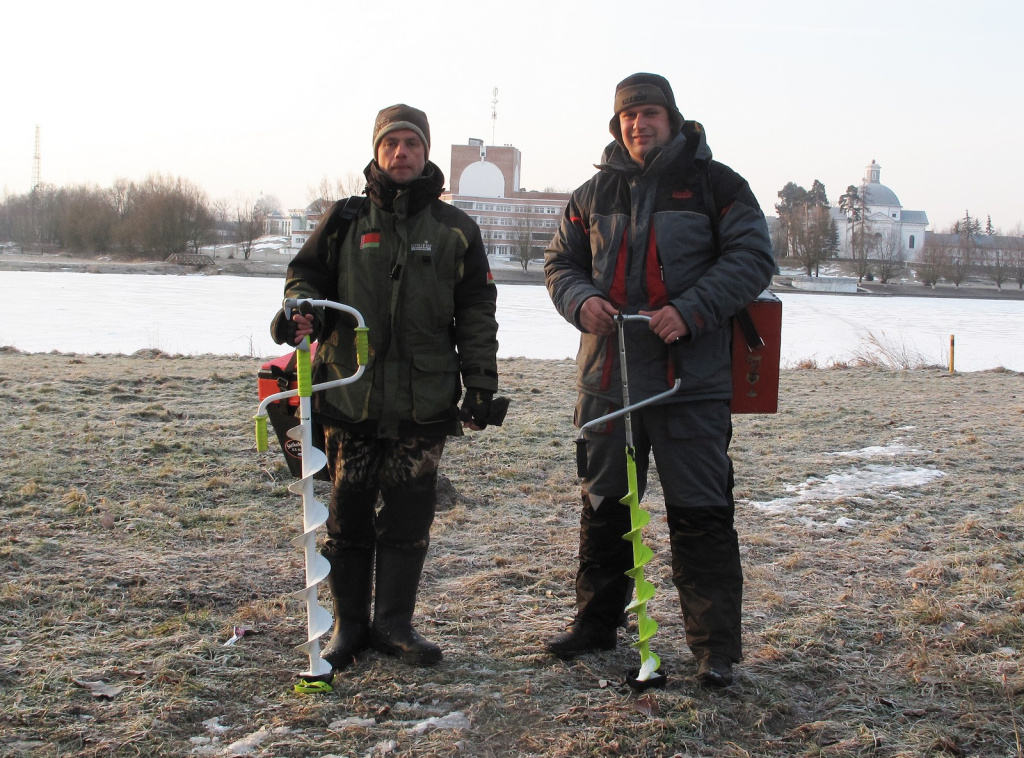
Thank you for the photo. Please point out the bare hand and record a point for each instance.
(667, 324)
(597, 316)
(303, 326)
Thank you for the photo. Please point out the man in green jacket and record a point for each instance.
(416, 269)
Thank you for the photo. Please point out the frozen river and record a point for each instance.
(122, 313)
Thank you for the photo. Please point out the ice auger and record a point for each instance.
(647, 675)
(314, 513)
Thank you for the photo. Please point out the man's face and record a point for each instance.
(644, 128)
(402, 155)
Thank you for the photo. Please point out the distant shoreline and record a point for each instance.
(275, 268)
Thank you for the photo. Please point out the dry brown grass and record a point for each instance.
(139, 526)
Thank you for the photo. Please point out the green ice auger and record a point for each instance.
(638, 517)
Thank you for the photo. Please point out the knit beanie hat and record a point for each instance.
(401, 117)
(645, 89)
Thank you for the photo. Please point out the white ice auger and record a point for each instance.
(314, 513)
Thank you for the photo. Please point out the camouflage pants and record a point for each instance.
(401, 473)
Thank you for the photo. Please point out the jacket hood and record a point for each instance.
(423, 190)
(690, 142)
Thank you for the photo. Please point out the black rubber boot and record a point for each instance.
(581, 638)
(351, 584)
(707, 573)
(398, 579)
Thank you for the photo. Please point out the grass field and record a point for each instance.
(880, 520)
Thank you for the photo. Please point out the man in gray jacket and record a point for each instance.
(665, 231)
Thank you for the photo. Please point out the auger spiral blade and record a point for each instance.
(647, 675)
(314, 513)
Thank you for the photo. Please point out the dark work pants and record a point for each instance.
(690, 444)
(403, 472)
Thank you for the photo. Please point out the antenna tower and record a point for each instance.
(494, 114)
(36, 171)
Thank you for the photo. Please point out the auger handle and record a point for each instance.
(675, 354)
(303, 369)
(582, 465)
(261, 433)
(362, 345)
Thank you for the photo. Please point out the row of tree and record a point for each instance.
(966, 248)
(151, 219)
(807, 232)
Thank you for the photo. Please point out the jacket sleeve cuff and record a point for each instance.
(480, 379)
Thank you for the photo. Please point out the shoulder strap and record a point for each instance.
(746, 323)
(710, 207)
(343, 215)
(341, 218)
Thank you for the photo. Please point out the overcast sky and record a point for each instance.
(250, 97)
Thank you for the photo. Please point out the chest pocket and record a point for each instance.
(685, 246)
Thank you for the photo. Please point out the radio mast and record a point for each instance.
(36, 161)
(494, 114)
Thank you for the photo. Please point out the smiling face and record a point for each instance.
(643, 129)
(402, 155)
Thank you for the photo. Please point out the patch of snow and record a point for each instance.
(249, 743)
(454, 720)
(350, 722)
(869, 480)
(214, 726)
(892, 450)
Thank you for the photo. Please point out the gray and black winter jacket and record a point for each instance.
(643, 237)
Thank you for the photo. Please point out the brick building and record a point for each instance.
(516, 224)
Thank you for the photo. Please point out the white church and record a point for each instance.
(884, 213)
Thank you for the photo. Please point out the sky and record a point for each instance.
(250, 98)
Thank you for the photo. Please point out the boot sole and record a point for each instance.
(568, 655)
(413, 659)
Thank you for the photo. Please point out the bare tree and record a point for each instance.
(814, 239)
(1015, 239)
(808, 232)
(162, 215)
(522, 239)
(325, 193)
(963, 254)
(935, 260)
(862, 243)
(250, 217)
(889, 254)
(996, 260)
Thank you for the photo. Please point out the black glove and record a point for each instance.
(282, 329)
(477, 407)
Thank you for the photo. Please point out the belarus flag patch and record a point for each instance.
(370, 239)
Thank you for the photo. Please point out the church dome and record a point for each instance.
(878, 194)
(873, 192)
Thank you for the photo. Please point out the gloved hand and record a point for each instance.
(283, 330)
(476, 407)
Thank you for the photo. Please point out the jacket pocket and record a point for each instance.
(435, 386)
(701, 419)
(687, 248)
(350, 402)
(705, 361)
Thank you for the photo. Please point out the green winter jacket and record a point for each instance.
(416, 269)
